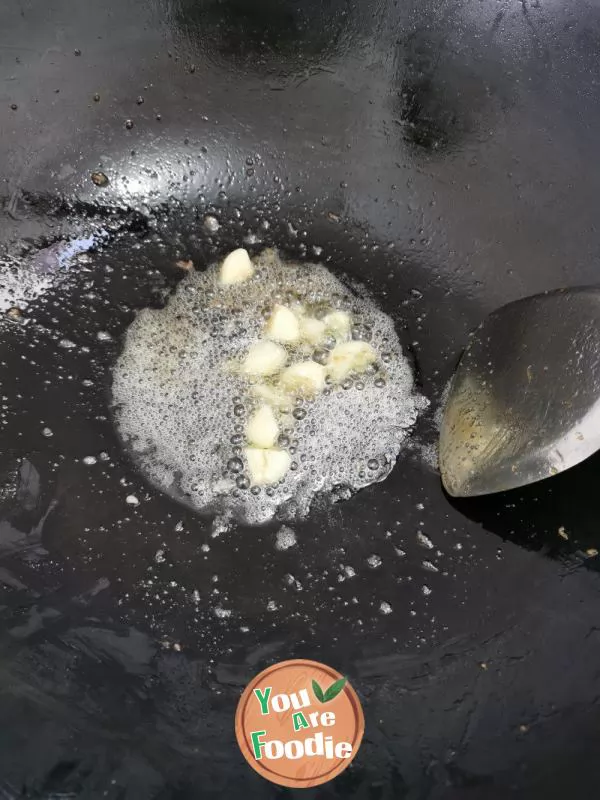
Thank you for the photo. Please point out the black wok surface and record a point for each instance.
(444, 155)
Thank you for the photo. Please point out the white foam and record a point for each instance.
(177, 405)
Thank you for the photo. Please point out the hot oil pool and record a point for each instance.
(261, 386)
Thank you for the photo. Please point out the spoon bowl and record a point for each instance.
(524, 403)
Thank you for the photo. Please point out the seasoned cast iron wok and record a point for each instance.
(444, 155)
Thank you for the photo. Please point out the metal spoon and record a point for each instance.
(524, 403)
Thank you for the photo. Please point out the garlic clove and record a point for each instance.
(236, 268)
(262, 429)
(274, 397)
(353, 356)
(312, 330)
(339, 324)
(264, 358)
(268, 466)
(283, 325)
(304, 377)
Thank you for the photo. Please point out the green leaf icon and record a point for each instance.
(330, 693)
(334, 690)
(318, 692)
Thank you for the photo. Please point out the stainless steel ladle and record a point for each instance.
(524, 403)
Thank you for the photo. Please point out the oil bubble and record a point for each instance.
(180, 410)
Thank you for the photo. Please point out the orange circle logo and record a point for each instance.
(299, 723)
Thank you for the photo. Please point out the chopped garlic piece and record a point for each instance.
(312, 330)
(262, 429)
(266, 467)
(283, 325)
(305, 377)
(274, 397)
(236, 268)
(264, 358)
(339, 324)
(353, 356)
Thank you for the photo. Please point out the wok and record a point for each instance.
(442, 154)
